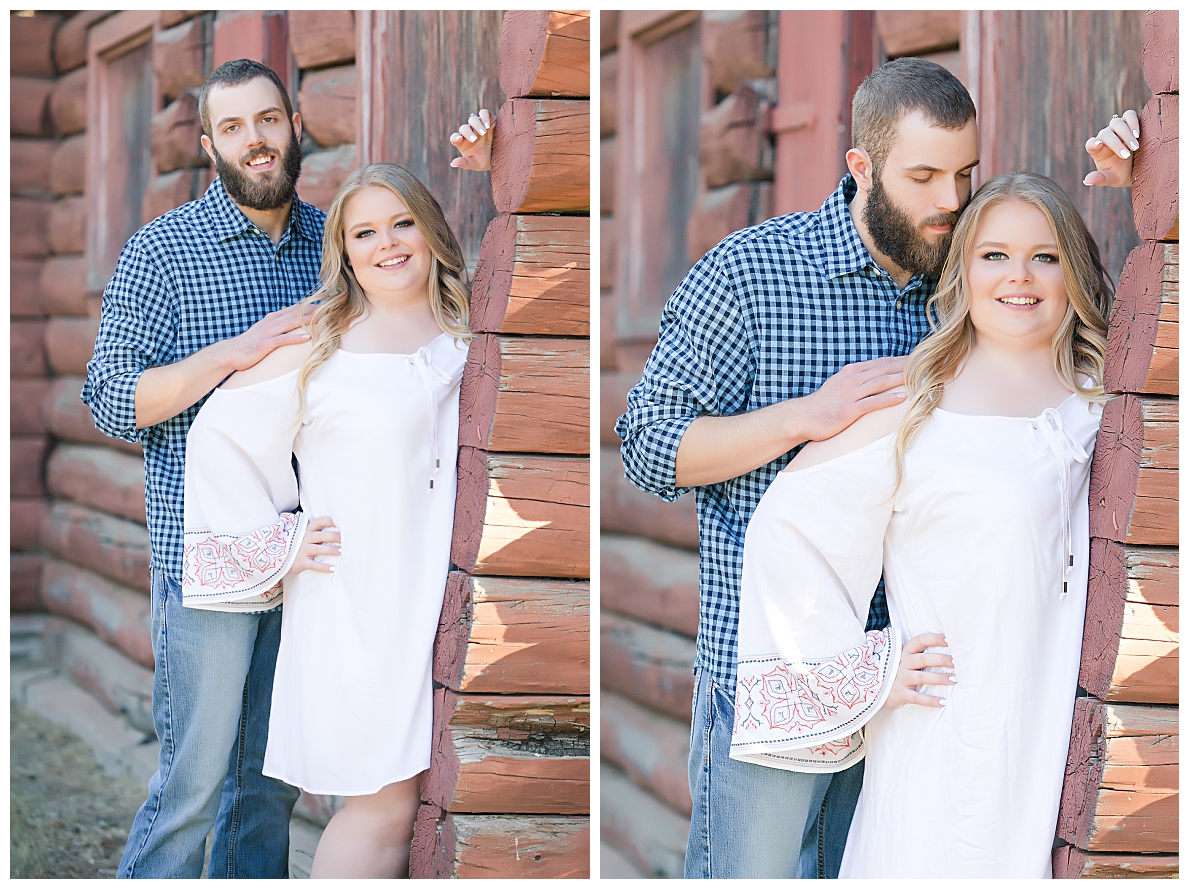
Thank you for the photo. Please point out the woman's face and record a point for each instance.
(1017, 289)
(386, 250)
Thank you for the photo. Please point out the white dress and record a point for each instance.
(987, 542)
(352, 705)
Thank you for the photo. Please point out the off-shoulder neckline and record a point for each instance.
(395, 354)
(1059, 407)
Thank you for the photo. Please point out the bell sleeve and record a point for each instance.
(242, 529)
(809, 676)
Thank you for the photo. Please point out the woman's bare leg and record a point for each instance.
(369, 837)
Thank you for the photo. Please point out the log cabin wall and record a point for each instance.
(508, 791)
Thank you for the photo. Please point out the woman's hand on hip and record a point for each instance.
(321, 539)
(912, 673)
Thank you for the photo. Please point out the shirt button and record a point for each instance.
(899, 303)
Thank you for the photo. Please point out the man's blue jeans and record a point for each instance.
(212, 689)
(753, 821)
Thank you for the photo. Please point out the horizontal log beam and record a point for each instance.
(100, 477)
(24, 417)
(513, 635)
(1142, 347)
(321, 38)
(29, 106)
(650, 582)
(68, 224)
(63, 285)
(625, 509)
(730, 140)
(179, 57)
(68, 166)
(1070, 863)
(652, 749)
(327, 105)
(24, 581)
(31, 41)
(522, 515)
(1120, 791)
(733, 48)
(1160, 51)
(68, 103)
(28, 228)
(449, 845)
(26, 465)
(24, 295)
(69, 419)
(70, 343)
(25, 515)
(121, 617)
(533, 277)
(650, 666)
(70, 42)
(509, 753)
(115, 548)
(650, 834)
(1154, 178)
(175, 134)
(545, 53)
(1133, 478)
(526, 395)
(540, 156)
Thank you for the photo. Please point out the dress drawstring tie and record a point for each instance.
(1048, 434)
(431, 375)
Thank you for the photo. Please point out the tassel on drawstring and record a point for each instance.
(431, 375)
(1057, 441)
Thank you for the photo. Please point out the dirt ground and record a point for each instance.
(69, 818)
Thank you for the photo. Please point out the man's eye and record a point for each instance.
(924, 181)
(966, 175)
(230, 129)
(269, 119)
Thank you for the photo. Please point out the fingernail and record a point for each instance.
(1125, 153)
(953, 678)
(473, 138)
(1134, 145)
(1135, 133)
(1097, 142)
(941, 702)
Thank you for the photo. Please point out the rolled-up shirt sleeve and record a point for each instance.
(137, 330)
(700, 366)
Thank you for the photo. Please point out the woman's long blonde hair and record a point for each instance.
(339, 301)
(1079, 345)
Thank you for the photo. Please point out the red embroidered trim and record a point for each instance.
(225, 564)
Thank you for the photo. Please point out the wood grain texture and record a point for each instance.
(179, 57)
(26, 348)
(24, 288)
(716, 213)
(1071, 863)
(112, 547)
(650, 582)
(65, 415)
(24, 582)
(512, 635)
(652, 749)
(911, 33)
(526, 395)
(63, 285)
(1160, 50)
(70, 343)
(166, 191)
(68, 166)
(509, 753)
(70, 41)
(327, 105)
(68, 103)
(24, 417)
(733, 48)
(650, 666)
(27, 228)
(540, 156)
(545, 53)
(99, 477)
(730, 137)
(29, 167)
(26, 461)
(533, 277)
(29, 111)
(68, 225)
(608, 95)
(176, 131)
(1142, 343)
(1120, 791)
(613, 394)
(31, 41)
(1154, 174)
(1133, 478)
(323, 172)
(625, 509)
(119, 615)
(637, 824)
(319, 38)
(499, 846)
(25, 515)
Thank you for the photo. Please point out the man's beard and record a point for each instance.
(270, 195)
(899, 238)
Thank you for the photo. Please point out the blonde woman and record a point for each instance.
(369, 408)
(971, 499)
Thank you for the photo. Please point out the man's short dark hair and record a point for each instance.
(234, 73)
(898, 88)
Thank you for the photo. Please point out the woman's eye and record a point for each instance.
(363, 233)
(1046, 258)
(404, 223)
(995, 255)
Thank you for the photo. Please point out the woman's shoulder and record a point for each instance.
(869, 428)
(277, 363)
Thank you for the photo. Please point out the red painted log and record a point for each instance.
(504, 753)
(176, 130)
(119, 615)
(716, 213)
(167, 191)
(29, 167)
(1120, 791)
(68, 166)
(25, 515)
(27, 465)
(1131, 640)
(1071, 863)
(650, 666)
(505, 635)
(179, 58)
(733, 48)
(1142, 347)
(608, 257)
(24, 582)
(115, 548)
(70, 43)
(24, 293)
(650, 834)
(68, 103)
(26, 349)
(526, 395)
(608, 31)
(25, 407)
(608, 95)
(327, 105)
(64, 285)
(170, 17)
(29, 113)
(31, 41)
(540, 156)
(1133, 479)
(545, 53)
(1160, 50)
(911, 33)
(499, 846)
(98, 477)
(321, 38)
(69, 419)
(626, 509)
(653, 583)
(613, 400)
(257, 34)
(730, 139)
(68, 225)
(28, 235)
(1154, 176)
(323, 172)
(522, 515)
(70, 343)
(608, 187)
(533, 277)
(652, 749)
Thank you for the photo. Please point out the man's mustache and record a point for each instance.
(943, 219)
(258, 152)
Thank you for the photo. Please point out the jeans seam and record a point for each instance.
(233, 827)
(709, 759)
(821, 836)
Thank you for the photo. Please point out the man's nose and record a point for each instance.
(947, 198)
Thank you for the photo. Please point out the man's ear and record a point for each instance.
(860, 166)
(208, 147)
(296, 120)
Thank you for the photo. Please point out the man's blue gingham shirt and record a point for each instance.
(767, 315)
(199, 274)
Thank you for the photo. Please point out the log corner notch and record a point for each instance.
(508, 789)
(1118, 815)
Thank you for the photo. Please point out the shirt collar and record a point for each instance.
(843, 251)
(226, 220)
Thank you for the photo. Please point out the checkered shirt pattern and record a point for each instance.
(199, 274)
(767, 315)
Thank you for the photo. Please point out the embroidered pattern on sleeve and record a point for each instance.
(227, 567)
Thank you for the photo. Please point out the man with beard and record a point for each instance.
(784, 333)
